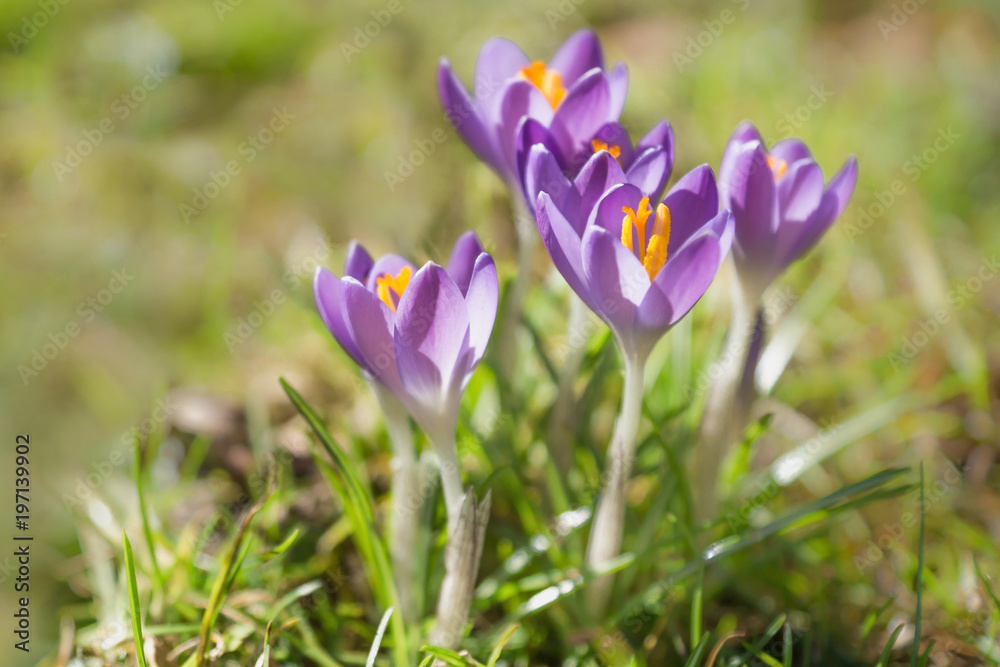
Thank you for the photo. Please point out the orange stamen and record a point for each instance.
(778, 166)
(656, 253)
(599, 145)
(637, 218)
(546, 80)
(397, 285)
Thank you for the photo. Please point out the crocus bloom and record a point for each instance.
(420, 333)
(570, 99)
(780, 204)
(640, 265)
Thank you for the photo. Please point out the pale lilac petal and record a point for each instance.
(519, 99)
(531, 133)
(753, 201)
(661, 135)
(799, 192)
(357, 262)
(601, 173)
(650, 172)
(791, 151)
(679, 285)
(329, 298)
(577, 55)
(744, 133)
(795, 239)
(431, 335)
(463, 259)
(545, 175)
(464, 115)
(563, 245)
(370, 323)
(482, 299)
(618, 84)
(693, 201)
(582, 112)
(615, 278)
(843, 183)
(608, 214)
(499, 59)
(612, 134)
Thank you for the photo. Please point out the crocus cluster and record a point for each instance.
(639, 258)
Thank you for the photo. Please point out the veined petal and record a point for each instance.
(357, 262)
(608, 214)
(744, 133)
(563, 245)
(611, 137)
(579, 54)
(791, 150)
(531, 133)
(431, 335)
(582, 112)
(753, 201)
(661, 135)
(799, 192)
(843, 183)
(370, 323)
(499, 59)
(650, 172)
(463, 259)
(329, 298)
(616, 278)
(543, 174)
(482, 299)
(518, 100)
(693, 201)
(465, 116)
(601, 173)
(618, 84)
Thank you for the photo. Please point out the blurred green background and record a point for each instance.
(171, 173)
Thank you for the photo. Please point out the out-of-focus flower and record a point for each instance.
(420, 333)
(564, 102)
(640, 266)
(780, 204)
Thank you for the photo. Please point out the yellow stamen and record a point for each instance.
(656, 252)
(637, 218)
(546, 80)
(599, 145)
(778, 166)
(397, 285)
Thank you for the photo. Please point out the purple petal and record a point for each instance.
(545, 175)
(799, 192)
(519, 99)
(499, 59)
(329, 297)
(650, 172)
(618, 84)
(693, 201)
(529, 134)
(463, 259)
(753, 201)
(843, 183)
(791, 151)
(357, 262)
(431, 335)
(744, 133)
(608, 214)
(601, 173)
(464, 115)
(577, 55)
(390, 264)
(482, 299)
(679, 285)
(582, 112)
(370, 323)
(616, 279)
(661, 135)
(563, 245)
(612, 134)
(795, 239)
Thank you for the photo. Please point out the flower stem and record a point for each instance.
(719, 421)
(446, 449)
(606, 533)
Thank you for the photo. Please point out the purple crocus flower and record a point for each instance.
(640, 266)
(420, 333)
(779, 202)
(563, 103)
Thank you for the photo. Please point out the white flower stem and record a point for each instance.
(719, 426)
(446, 449)
(406, 499)
(609, 519)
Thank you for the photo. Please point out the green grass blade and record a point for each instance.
(377, 642)
(696, 606)
(147, 531)
(883, 660)
(919, 584)
(767, 659)
(786, 646)
(265, 657)
(498, 649)
(133, 601)
(695, 658)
